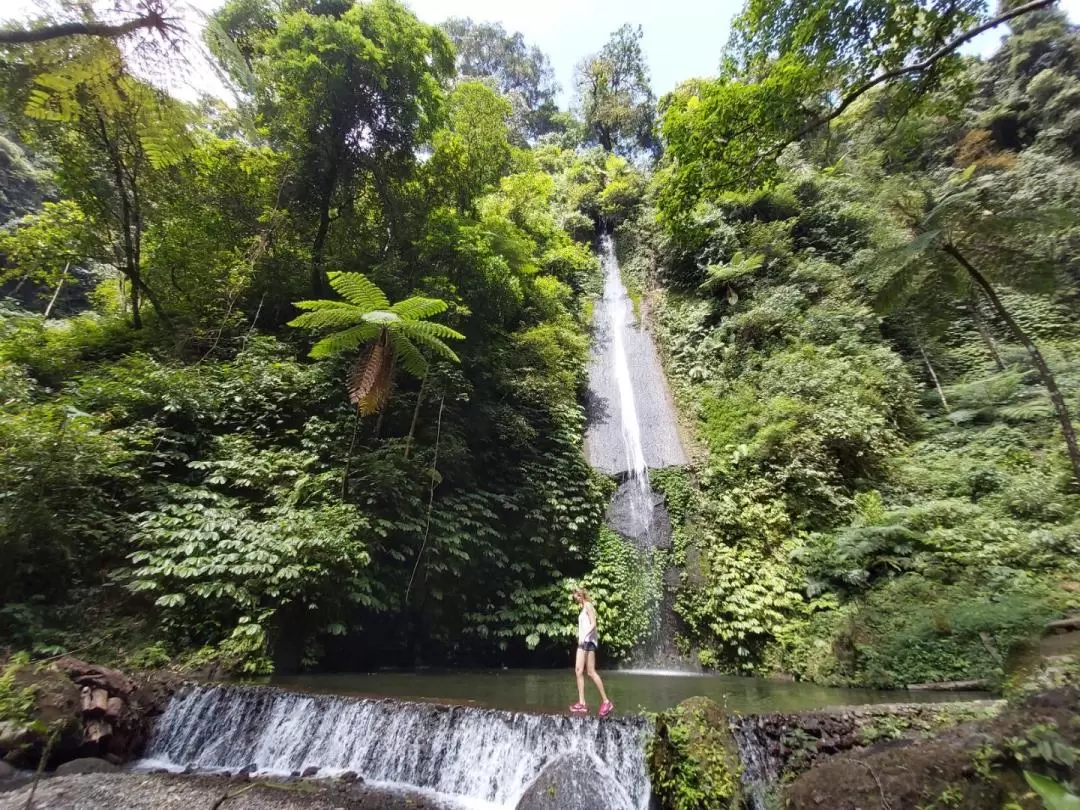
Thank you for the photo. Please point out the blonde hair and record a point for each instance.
(582, 594)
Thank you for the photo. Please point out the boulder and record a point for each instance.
(96, 732)
(112, 681)
(693, 754)
(85, 765)
(56, 707)
(114, 708)
(573, 782)
(6, 771)
(309, 772)
(973, 766)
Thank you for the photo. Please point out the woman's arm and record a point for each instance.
(591, 612)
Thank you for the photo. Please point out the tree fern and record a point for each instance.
(394, 333)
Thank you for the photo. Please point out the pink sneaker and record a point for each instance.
(579, 708)
(606, 708)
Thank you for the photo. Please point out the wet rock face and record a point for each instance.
(693, 759)
(93, 711)
(572, 782)
(973, 766)
(778, 747)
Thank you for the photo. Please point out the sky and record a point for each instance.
(683, 38)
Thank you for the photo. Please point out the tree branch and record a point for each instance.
(918, 67)
(152, 20)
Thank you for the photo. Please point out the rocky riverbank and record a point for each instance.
(141, 791)
(970, 767)
(76, 709)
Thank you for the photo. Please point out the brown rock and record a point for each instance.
(96, 730)
(99, 701)
(114, 708)
(1066, 625)
(85, 765)
(906, 774)
(84, 674)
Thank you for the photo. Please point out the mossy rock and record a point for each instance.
(973, 766)
(54, 714)
(1052, 663)
(693, 761)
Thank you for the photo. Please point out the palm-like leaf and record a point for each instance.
(327, 314)
(417, 308)
(430, 335)
(721, 275)
(398, 331)
(344, 341)
(409, 358)
(357, 289)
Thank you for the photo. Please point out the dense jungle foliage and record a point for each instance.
(299, 380)
(855, 332)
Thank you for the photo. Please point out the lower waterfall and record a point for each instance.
(474, 756)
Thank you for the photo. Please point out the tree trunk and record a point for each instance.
(1045, 373)
(984, 332)
(318, 285)
(56, 294)
(933, 375)
(348, 456)
(415, 416)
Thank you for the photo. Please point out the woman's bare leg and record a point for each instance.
(579, 671)
(590, 664)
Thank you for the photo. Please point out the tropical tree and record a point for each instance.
(392, 334)
(474, 151)
(349, 96)
(840, 51)
(113, 137)
(521, 72)
(963, 240)
(614, 96)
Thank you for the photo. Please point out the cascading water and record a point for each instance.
(628, 393)
(474, 757)
(632, 429)
(638, 493)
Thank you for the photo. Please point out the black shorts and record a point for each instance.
(587, 646)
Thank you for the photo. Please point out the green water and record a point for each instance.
(554, 690)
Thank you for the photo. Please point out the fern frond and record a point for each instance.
(344, 341)
(409, 358)
(435, 345)
(898, 288)
(429, 329)
(950, 205)
(418, 308)
(366, 375)
(359, 290)
(325, 314)
(907, 253)
(739, 266)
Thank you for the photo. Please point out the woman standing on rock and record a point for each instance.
(586, 656)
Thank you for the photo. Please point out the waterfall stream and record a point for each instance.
(632, 425)
(471, 756)
(632, 429)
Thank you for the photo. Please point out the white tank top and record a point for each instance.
(583, 632)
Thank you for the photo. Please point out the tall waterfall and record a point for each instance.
(632, 429)
(477, 757)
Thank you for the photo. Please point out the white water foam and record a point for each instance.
(478, 758)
